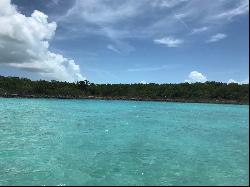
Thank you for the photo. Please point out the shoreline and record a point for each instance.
(217, 101)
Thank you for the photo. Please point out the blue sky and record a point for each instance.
(126, 41)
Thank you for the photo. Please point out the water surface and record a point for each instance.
(97, 142)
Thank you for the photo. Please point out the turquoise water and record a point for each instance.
(94, 142)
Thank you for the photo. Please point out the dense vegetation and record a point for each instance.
(185, 92)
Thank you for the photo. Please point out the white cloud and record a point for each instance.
(217, 37)
(112, 48)
(124, 18)
(231, 81)
(55, 1)
(143, 82)
(104, 12)
(196, 76)
(199, 30)
(246, 81)
(25, 42)
(241, 9)
(119, 21)
(180, 17)
(166, 3)
(169, 41)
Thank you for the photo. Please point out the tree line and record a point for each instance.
(186, 92)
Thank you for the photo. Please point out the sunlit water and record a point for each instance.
(93, 142)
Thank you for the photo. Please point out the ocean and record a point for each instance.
(99, 142)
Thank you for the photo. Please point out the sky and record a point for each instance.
(125, 41)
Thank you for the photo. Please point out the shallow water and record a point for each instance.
(97, 142)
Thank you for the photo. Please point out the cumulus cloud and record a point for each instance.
(143, 82)
(231, 81)
(169, 41)
(217, 37)
(24, 44)
(196, 76)
(246, 81)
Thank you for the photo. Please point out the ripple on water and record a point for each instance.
(90, 142)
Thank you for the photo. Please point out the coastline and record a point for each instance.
(208, 92)
(216, 101)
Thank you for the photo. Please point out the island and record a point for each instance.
(208, 92)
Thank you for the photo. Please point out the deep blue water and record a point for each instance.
(97, 142)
